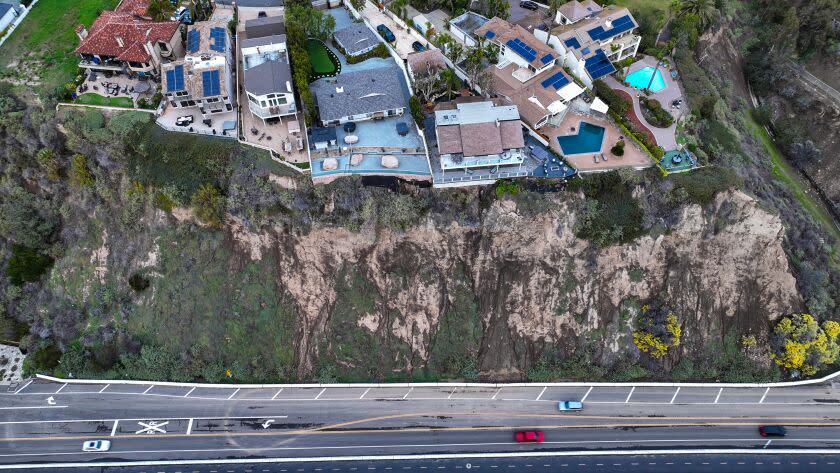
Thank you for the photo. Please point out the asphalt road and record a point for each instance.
(47, 422)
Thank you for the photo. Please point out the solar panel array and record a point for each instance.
(619, 25)
(490, 34)
(599, 65)
(547, 58)
(572, 43)
(558, 80)
(218, 36)
(175, 79)
(192, 41)
(210, 81)
(528, 53)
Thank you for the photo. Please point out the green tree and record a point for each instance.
(160, 10)
(49, 163)
(209, 205)
(27, 219)
(358, 5)
(80, 175)
(705, 11)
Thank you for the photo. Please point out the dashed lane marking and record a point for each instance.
(59, 389)
(496, 394)
(114, 429)
(587, 394)
(320, 393)
(189, 392)
(675, 395)
(103, 389)
(233, 394)
(630, 395)
(277, 394)
(541, 393)
(148, 389)
(718, 395)
(764, 396)
(409, 392)
(364, 393)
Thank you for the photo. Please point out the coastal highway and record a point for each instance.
(42, 422)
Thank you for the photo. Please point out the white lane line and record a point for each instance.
(768, 443)
(409, 392)
(364, 393)
(103, 389)
(24, 386)
(148, 389)
(541, 393)
(276, 394)
(718, 396)
(629, 395)
(496, 394)
(233, 394)
(189, 392)
(675, 395)
(765, 395)
(189, 427)
(32, 407)
(587, 393)
(453, 392)
(319, 394)
(114, 429)
(59, 389)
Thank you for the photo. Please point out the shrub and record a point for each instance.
(380, 51)
(80, 175)
(138, 282)
(610, 214)
(617, 103)
(26, 265)
(416, 109)
(801, 345)
(703, 184)
(507, 187)
(42, 360)
(209, 205)
(618, 149)
(49, 163)
(655, 114)
(659, 332)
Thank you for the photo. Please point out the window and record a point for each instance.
(252, 99)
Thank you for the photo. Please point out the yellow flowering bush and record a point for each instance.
(801, 344)
(657, 334)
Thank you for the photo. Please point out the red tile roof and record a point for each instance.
(133, 31)
(134, 7)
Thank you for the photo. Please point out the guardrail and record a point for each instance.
(783, 384)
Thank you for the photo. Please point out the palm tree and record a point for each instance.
(704, 9)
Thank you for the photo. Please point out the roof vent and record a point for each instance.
(339, 90)
(119, 41)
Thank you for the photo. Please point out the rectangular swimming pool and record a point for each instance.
(588, 139)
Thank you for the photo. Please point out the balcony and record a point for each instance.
(100, 65)
(272, 112)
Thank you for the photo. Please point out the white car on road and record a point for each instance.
(96, 446)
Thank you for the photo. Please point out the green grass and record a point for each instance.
(321, 61)
(95, 99)
(645, 5)
(44, 42)
(787, 174)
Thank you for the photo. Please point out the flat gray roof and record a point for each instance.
(267, 26)
(356, 38)
(359, 92)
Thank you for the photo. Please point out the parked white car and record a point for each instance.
(96, 446)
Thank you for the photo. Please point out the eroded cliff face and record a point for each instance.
(530, 284)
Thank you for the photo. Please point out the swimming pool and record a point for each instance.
(641, 78)
(588, 140)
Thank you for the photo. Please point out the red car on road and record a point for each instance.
(528, 436)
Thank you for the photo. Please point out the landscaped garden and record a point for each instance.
(324, 62)
(91, 98)
(655, 114)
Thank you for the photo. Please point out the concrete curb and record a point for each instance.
(784, 384)
(452, 456)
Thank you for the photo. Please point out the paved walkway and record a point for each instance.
(665, 137)
(815, 81)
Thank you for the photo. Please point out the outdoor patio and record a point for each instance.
(381, 135)
(633, 156)
(278, 136)
(111, 89)
(222, 124)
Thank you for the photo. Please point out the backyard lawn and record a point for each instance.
(320, 58)
(42, 46)
(95, 99)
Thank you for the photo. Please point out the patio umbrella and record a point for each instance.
(142, 87)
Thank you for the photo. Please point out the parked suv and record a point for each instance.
(529, 5)
(386, 33)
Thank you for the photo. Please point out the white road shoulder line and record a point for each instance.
(675, 395)
(233, 394)
(33, 407)
(587, 393)
(718, 396)
(630, 394)
(114, 429)
(189, 392)
(764, 396)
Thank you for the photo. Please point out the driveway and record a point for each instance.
(404, 38)
(252, 3)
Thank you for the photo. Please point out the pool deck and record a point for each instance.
(585, 162)
(665, 137)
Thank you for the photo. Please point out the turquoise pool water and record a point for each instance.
(641, 78)
(588, 140)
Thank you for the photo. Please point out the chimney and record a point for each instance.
(119, 41)
(339, 90)
(81, 32)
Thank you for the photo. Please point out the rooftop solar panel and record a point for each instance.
(572, 43)
(192, 41)
(560, 83)
(175, 79)
(547, 58)
(619, 25)
(490, 34)
(557, 80)
(218, 36)
(599, 65)
(210, 83)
